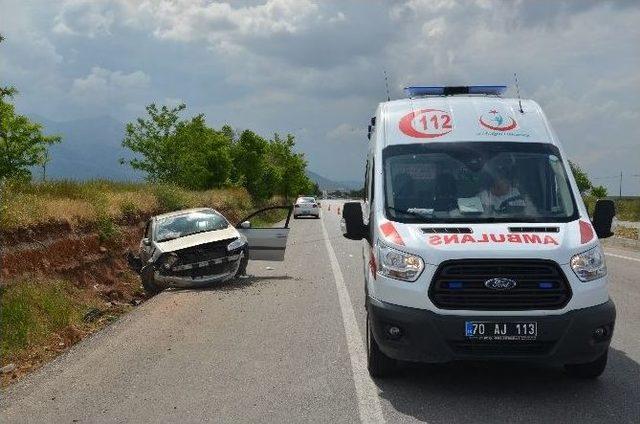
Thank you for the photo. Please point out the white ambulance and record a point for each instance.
(477, 243)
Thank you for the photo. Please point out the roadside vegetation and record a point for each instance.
(105, 204)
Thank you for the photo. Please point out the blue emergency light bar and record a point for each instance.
(416, 91)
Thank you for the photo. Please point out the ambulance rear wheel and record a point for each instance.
(378, 364)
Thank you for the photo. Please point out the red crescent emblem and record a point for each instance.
(511, 125)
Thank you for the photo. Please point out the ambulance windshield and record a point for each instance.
(477, 182)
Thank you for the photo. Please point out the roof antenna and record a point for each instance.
(515, 76)
(386, 84)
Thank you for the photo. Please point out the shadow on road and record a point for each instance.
(492, 392)
(232, 285)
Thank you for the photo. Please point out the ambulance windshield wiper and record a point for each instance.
(418, 212)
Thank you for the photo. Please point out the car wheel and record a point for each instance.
(589, 370)
(378, 364)
(149, 284)
(150, 287)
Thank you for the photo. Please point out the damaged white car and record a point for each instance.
(199, 247)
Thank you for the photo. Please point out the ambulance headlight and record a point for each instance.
(403, 266)
(589, 265)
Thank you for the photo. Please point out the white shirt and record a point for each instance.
(494, 202)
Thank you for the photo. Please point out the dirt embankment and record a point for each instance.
(54, 252)
(74, 253)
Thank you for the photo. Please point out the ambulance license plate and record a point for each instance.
(493, 330)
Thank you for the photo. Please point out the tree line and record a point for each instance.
(189, 153)
(170, 150)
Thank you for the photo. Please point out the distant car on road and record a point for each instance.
(199, 247)
(306, 206)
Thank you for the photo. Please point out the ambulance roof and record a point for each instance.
(463, 118)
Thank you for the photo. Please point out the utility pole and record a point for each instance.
(620, 193)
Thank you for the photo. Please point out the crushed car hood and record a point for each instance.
(197, 239)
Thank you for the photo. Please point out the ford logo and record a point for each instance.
(500, 284)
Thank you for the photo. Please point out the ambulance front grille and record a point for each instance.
(460, 284)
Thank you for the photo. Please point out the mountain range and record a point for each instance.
(331, 185)
(90, 149)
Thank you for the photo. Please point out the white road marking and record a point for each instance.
(368, 402)
(622, 257)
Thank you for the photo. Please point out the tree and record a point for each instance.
(250, 165)
(581, 177)
(177, 151)
(599, 192)
(191, 154)
(292, 178)
(22, 143)
(153, 139)
(315, 189)
(203, 155)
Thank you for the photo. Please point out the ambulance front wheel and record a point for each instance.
(378, 364)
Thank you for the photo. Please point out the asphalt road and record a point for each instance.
(288, 346)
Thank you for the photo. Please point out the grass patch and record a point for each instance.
(268, 218)
(105, 203)
(30, 311)
(626, 209)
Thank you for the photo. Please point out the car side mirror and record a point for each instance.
(245, 224)
(603, 215)
(353, 220)
(146, 241)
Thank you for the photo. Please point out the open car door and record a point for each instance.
(267, 242)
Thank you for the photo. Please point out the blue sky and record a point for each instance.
(315, 68)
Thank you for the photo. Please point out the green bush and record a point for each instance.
(107, 229)
(31, 311)
(170, 198)
(129, 210)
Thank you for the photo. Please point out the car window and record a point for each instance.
(306, 200)
(173, 227)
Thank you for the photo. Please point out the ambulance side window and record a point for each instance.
(366, 181)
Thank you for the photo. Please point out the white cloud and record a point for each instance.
(103, 86)
(346, 132)
(278, 64)
(88, 18)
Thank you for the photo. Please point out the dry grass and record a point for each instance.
(28, 205)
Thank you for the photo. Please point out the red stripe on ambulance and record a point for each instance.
(390, 233)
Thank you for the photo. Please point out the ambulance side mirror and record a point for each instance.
(603, 215)
(353, 221)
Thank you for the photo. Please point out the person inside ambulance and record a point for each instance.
(501, 195)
